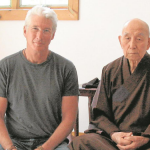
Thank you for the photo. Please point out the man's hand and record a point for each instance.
(120, 138)
(137, 141)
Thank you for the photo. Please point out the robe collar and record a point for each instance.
(143, 66)
(131, 80)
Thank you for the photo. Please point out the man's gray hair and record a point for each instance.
(42, 11)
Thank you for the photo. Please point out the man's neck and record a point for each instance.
(133, 64)
(36, 57)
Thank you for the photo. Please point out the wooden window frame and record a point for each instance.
(18, 13)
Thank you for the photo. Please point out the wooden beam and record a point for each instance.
(18, 13)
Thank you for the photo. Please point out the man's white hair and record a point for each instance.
(42, 11)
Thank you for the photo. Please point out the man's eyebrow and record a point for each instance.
(43, 29)
(48, 28)
(125, 33)
(139, 34)
(34, 26)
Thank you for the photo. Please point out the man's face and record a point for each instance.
(38, 33)
(135, 40)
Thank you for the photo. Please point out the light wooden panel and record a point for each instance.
(17, 13)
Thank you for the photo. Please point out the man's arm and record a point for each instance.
(5, 140)
(103, 114)
(69, 112)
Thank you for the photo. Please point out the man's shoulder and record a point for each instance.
(61, 60)
(10, 59)
(114, 65)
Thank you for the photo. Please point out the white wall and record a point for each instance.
(90, 43)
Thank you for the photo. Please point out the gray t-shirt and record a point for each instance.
(34, 93)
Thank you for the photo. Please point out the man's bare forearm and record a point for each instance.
(5, 140)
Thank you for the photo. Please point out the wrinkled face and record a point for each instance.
(38, 33)
(135, 40)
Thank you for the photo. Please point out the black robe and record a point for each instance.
(123, 104)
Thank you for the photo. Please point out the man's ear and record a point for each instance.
(24, 30)
(53, 36)
(148, 46)
(119, 37)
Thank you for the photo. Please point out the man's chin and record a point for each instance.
(39, 48)
(134, 57)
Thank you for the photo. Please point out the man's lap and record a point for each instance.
(31, 144)
(93, 141)
(63, 146)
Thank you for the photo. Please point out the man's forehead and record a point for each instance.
(137, 33)
(136, 27)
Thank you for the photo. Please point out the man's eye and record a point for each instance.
(35, 29)
(46, 31)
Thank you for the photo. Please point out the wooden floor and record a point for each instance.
(72, 136)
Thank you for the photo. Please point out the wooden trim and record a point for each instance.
(70, 13)
(80, 133)
(14, 4)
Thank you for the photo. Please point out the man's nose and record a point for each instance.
(39, 35)
(132, 44)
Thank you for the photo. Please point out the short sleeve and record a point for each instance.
(71, 87)
(3, 80)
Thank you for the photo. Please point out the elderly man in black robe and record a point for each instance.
(122, 114)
